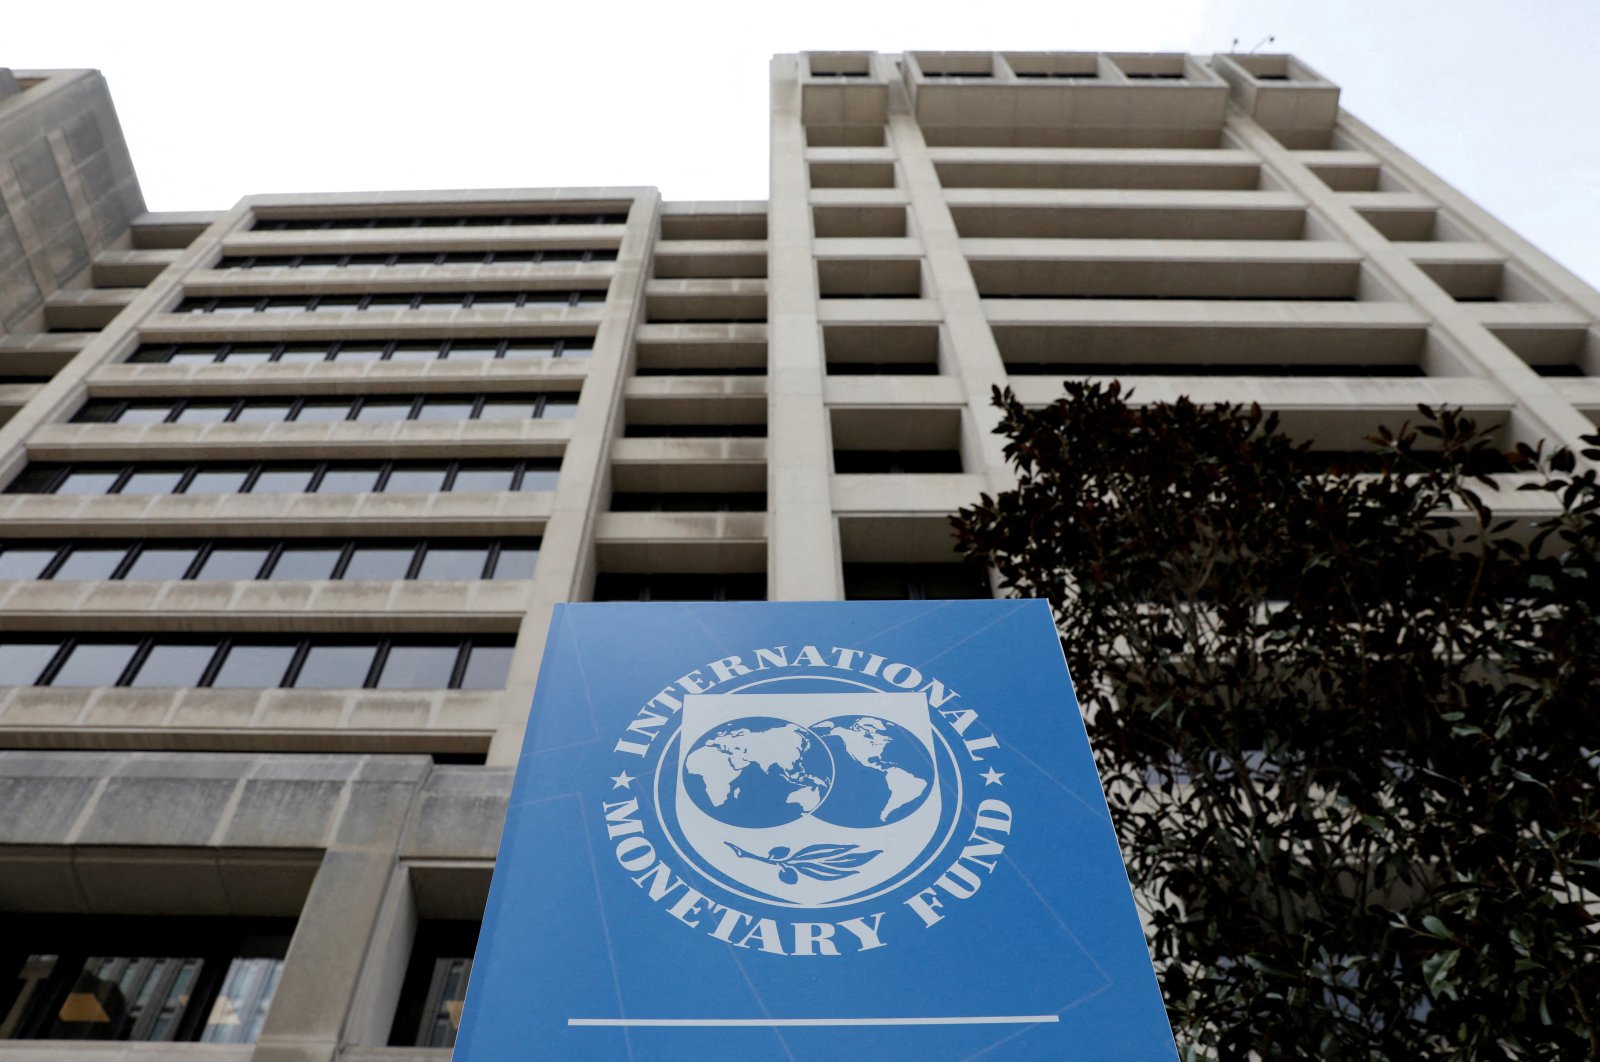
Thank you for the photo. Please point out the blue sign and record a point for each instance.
(809, 831)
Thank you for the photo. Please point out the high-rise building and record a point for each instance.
(291, 489)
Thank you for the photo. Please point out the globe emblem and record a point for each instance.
(882, 773)
(759, 772)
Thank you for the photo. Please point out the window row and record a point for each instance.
(370, 408)
(226, 661)
(406, 258)
(388, 300)
(287, 477)
(530, 349)
(896, 462)
(298, 559)
(439, 221)
(120, 978)
(210, 980)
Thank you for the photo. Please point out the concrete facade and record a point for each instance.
(783, 399)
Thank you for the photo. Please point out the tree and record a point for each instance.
(1348, 725)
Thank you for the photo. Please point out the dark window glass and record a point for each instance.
(87, 481)
(254, 667)
(472, 477)
(175, 664)
(91, 562)
(94, 664)
(916, 582)
(560, 407)
(33, 479)
(516, 562)
(233, 562)
(218, 480)
(138, 979)
(25, 562)
(98, 411)
(896, 461)
(303, 354)
(21, 662)
(446, 409)
(329, 667)
(486, 667)
(306, 562)
(379, 562)
(418, 667)
(467, 350)
(293, 479)
(435, 986)
(340, 304)
(162, 562)
(415, 479)
(152, 481)
(349, 479)
(453, 562)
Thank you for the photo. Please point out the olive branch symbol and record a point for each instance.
(824, 862)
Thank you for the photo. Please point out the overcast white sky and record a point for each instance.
(220, 100)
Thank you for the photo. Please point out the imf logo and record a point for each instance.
(835, 782)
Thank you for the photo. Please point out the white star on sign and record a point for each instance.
(623, 781)
(991, 777)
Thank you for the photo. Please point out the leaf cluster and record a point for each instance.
(1347, 724)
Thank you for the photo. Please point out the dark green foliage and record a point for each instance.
(1348, 725)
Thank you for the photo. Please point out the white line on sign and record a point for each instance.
(697, 1023)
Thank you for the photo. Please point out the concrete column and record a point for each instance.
(802, 538)
(974, 356)
(566, 566)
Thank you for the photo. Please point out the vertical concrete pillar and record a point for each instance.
(802, 538)
(566, 566)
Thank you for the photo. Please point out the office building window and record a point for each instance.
(210, 980)
(527, 348)
(429, 258)
(915, 582)
(248, 661)
(663, 586)
(435, 987)
(266, 410)
(283, 559)
(435, 221)
(896, 461)
(421, 300)
(289, 477)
